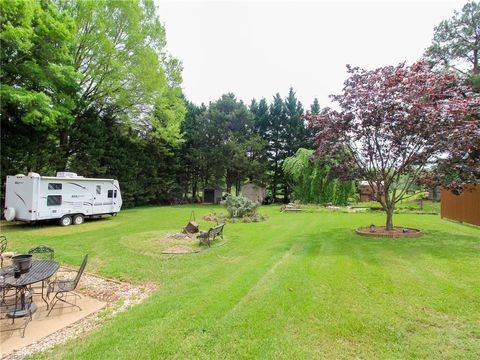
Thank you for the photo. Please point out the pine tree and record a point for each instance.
(315, 107)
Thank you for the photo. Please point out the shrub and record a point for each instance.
(240, 206)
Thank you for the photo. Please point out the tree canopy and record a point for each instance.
(81, 82)
(456, 41)
(38, 79)
(312, 181)
(395, 121)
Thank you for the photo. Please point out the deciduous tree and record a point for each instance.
(119, 52)
(395, 121)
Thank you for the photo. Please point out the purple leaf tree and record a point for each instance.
(394, 122)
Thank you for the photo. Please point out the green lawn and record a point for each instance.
(298, 286)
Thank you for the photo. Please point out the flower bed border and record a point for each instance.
(365, 231)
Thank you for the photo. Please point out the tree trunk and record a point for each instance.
(194, 187)
(389, 223)
(275, 179)
(62, 160)
(286, 194)
(476, 69)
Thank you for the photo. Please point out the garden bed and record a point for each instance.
(381, 231)
(222, 219)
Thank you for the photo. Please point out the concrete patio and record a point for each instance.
(41, 326)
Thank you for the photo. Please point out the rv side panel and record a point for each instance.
(19, 195)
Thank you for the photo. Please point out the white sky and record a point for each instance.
(256, 49)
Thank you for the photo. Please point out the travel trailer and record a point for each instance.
(67, 197)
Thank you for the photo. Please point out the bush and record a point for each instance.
(240, 206)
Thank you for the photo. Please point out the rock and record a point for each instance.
(109, 291)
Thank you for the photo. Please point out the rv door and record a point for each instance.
(112, 195)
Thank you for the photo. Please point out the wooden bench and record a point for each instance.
(206, 238)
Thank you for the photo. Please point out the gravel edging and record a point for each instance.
(119, 296)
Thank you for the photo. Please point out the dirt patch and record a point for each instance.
(178, 249)
(119, 296)
(381, 231)
(180, 236)
(155, 243)
(169, 238)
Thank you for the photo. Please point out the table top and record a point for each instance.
(40, 270)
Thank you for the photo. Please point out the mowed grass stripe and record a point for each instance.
(193, 304)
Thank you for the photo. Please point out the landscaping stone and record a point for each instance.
(119, 296)
(380, 231)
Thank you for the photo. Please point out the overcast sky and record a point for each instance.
(256, 49)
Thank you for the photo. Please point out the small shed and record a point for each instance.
(365, 191)
(253, 192)
(212, 195)
(368, 193)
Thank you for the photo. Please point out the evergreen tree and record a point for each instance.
(456, 41)
(275, 142)
(295, 132)
(315, 107)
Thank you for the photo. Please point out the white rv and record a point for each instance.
(67, 197)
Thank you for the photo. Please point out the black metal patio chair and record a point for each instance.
(42, 252)
(3, 247)
(61, 288)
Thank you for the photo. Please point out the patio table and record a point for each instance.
(40, 270)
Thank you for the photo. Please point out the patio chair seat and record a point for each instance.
(61, 286)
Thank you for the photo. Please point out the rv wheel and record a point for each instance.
(66, 220)
(78, 219)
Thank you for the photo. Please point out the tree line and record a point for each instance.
(228, 143)
(89, 87)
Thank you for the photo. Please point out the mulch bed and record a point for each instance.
(396, 232)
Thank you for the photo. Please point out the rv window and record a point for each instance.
(110, 193)
(115, 193)
(54, 200)
(99, 189)
(54, 186)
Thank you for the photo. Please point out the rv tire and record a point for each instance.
(78, 219)
(66, 220)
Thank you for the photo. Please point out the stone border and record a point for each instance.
(119, 297)
(365, 231)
